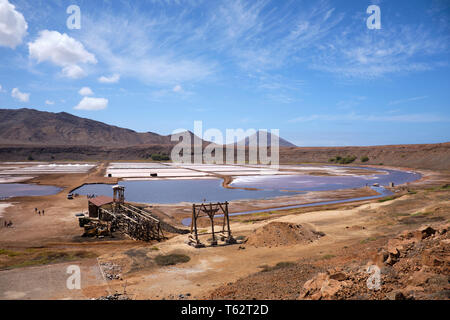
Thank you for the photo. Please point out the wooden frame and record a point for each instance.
(210, 210)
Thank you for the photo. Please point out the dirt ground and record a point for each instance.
(352, 231)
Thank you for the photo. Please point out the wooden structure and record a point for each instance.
(107, 215)
(118, 196)
(95, 204)
(211, 210)
(137, 223)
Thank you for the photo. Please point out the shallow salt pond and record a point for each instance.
(269, 186)
(176, 191)
(8, 190)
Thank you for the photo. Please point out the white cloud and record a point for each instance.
(13, 26)
(73, 72)
(92, 104)
(1, 88)
(61, 50)
(21, 96)
(177, 88)
(112, 79)
(86, 91)
(49, 102)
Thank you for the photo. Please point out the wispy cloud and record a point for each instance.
(111, 79)
(368, 54)
(167, 46)
(409, 118)
(395, 102)
(150, 48)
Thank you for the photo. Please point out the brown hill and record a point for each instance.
(32, 127)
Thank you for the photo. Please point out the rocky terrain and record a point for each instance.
(414, 265)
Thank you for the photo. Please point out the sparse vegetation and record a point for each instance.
(364, 159)
(345, 160)
(30, 158)
(279, 265)
(171, 259)
(33, 257)
(386, 199)
(160, 157)
(368, 240)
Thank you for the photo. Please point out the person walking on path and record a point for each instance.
(43, 211)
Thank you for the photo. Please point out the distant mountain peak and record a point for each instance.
(281, 142)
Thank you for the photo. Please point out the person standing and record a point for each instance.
(43, 211)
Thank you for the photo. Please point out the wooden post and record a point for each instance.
(194, 223)
(228, 219)
(211, 216)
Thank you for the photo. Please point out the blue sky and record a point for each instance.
(309, 68)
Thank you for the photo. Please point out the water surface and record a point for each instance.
(9, 190)
(176, 191)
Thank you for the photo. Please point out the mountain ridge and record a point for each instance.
(27, 126)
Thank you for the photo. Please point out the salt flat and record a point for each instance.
(52, 168)
(14, 179)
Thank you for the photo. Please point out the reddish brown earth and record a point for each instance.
(418, 156)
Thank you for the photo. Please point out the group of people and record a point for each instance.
(36, 211)
(91, 196)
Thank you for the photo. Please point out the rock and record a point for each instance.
(322, 287)
(392, 259)
(429, 259)
(406, 235)
(420, 277)
(329, 288)
(395, 295)
(339, 276)
(424, 233)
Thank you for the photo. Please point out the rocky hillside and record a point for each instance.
(32, 127)
(420, 156)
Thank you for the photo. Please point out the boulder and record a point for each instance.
(424, 233)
